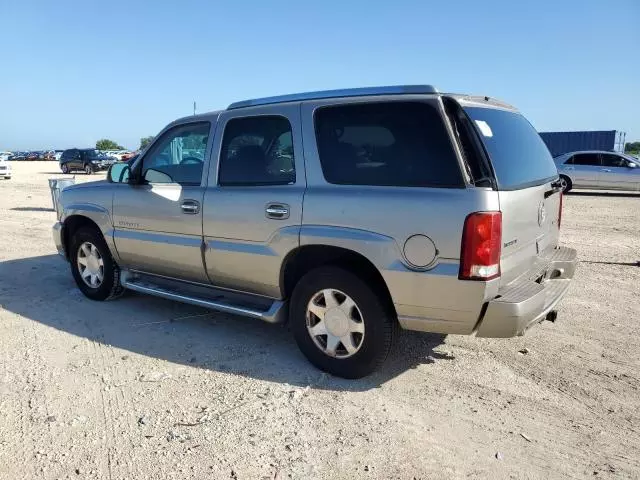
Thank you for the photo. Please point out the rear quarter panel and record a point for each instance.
(377, 221)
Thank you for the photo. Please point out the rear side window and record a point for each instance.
(590, 159)
(257, 151)
(401, 144)
(519, 156)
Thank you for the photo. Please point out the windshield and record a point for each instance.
(519, 156)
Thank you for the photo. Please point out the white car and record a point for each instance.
(5, 168)
(4, 156)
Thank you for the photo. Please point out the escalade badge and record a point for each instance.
(542, 214)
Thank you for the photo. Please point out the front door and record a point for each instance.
(253, 206)
(616, 173)
(158, 222)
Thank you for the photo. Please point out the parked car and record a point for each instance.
(49, 155)
(126, 156)
(31, 156)
(85, 159)
(58, 155)
(598, 170)
(5, 156)
(432, 212)
(18, 156)
(5, 167)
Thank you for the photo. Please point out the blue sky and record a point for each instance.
(77, 71)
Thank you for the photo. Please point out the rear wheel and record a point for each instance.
(64, 168)
(340, 324)
(95, 271)
(565, 183)
(88, 169)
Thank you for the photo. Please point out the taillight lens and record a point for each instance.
(560, 210)
(481, 246)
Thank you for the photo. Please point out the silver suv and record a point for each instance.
(347, 213)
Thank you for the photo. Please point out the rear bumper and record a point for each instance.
(530, 298)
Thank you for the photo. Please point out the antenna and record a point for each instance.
(194, 107)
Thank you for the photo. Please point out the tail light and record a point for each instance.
(481, 246)
(560, 210)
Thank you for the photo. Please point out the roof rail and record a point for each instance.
(346, 92)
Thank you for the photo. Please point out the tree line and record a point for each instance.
(108, 144)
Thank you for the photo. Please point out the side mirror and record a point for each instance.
(119, 173)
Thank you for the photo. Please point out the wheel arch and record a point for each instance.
(308, 257)
(78, 216)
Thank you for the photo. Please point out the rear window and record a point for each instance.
(401, 144)
(519, 156)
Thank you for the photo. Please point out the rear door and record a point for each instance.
(253, 206)
(526, 179)
(586, 168)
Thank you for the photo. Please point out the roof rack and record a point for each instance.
(346, 92)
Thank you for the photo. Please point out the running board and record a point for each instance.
(272, 311)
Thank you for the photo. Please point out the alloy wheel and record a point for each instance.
(335, 323)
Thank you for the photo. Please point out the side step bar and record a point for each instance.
(272, 312)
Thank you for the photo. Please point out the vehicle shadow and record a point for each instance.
(593, 193)
(42, 289)
(33, 209)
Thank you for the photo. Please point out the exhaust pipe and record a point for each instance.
(552, 316)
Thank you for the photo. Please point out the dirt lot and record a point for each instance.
(143, 388)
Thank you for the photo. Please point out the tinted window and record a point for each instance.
(178, 156)
(394, 144)
(611, 160)
(519, 156)
(257, 151)
(592, 159)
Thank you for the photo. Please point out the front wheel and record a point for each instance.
(340, 324)
(95, 271)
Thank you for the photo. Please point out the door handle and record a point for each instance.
(190, 206)
(569, 168)
(605, 170)
(277, 211)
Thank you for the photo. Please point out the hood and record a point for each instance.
(95, 184)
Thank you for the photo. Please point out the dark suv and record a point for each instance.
(87, 159)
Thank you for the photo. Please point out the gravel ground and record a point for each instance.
(143, 388)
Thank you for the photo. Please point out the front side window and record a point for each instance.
(589, 159)
(178, 156)
(257, 151)
(611, 160)
(386, 144)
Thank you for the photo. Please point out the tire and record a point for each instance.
(64, 168)
(379, 323)
(109, 287)
(567, 183)
(88, 169)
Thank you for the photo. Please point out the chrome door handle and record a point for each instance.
(605, 170)
(190, 206)
(277, 211)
